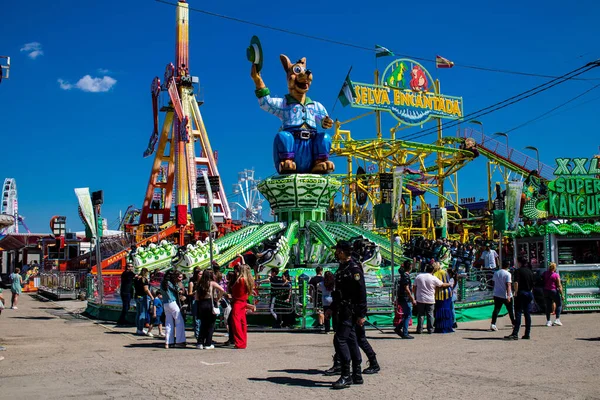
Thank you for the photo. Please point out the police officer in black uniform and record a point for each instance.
(361, 336)
(350, 305)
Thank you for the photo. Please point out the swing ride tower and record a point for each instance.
(181, 148)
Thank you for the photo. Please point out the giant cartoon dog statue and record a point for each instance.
(299, 146)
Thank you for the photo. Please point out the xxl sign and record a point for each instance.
(574, 193)
(407, 91)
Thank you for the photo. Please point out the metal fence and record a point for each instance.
(112, 286)
(63, 285)
(302, 307)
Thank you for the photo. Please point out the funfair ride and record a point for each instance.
(9, 212)
(182, 146)
(429, 170)
(182, 150)
(301, 236)
(249, 200)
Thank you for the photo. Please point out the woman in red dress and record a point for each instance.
(240, 291)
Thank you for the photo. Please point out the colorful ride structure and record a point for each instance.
(430, 170)
(301, 234)
(181, 150)
(248, 201)
(9, 212)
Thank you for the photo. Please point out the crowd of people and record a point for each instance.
(208, 295)
(339, 298)
(452, 254)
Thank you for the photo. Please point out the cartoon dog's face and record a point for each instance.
(298, 77)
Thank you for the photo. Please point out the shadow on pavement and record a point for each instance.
(288, 381)
(36, 318)
(150, 345)
(299, 371)
(485, 338)
(473, 330)
(394, 337)
(591, 339)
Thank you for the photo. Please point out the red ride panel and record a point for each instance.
(181, 214)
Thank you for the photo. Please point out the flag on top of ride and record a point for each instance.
(347, 94)
(381, 51)
(441, 62)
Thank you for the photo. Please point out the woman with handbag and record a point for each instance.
(208, 293)
(174, 325)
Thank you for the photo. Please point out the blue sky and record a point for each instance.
(59, 136)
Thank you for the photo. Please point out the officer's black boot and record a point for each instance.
(345, 380)
(357, 378)
(336, 369)
(373, 367)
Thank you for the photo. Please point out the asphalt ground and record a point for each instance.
(51, 352)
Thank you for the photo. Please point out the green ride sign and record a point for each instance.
(575, 193)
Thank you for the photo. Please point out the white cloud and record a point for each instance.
(65, 85)
(103, 71)
(90, 84)
(33, 49)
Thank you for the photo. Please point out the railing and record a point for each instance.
(112, 285)
(513, 156)
(63, 284)
(474, 287)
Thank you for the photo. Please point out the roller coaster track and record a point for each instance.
(508, 157)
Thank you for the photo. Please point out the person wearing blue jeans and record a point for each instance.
(523, 298)
(143, 297)
(405, 299)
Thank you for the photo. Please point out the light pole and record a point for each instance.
(537, 155)
(505, 135)
(97, 201)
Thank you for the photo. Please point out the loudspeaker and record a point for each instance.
(98, 198)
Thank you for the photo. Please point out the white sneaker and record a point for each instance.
(140, 333)
(557, 322)
(493, 327)
(211, 347)
(14, 308)
(548, 323)
(149, 334)
(200, 347)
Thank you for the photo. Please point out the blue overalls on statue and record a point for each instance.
(304, 146)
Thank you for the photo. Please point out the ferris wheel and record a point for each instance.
(10, 205)
(249, 199)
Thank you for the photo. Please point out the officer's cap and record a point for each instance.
(344, 246)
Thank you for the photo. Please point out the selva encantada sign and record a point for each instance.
(407, 91)
(575, 193)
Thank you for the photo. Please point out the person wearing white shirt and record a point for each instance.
(502, 295)
(424, 292)
(490, 258)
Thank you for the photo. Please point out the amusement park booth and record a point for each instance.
(561, 224)
(22, 250)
